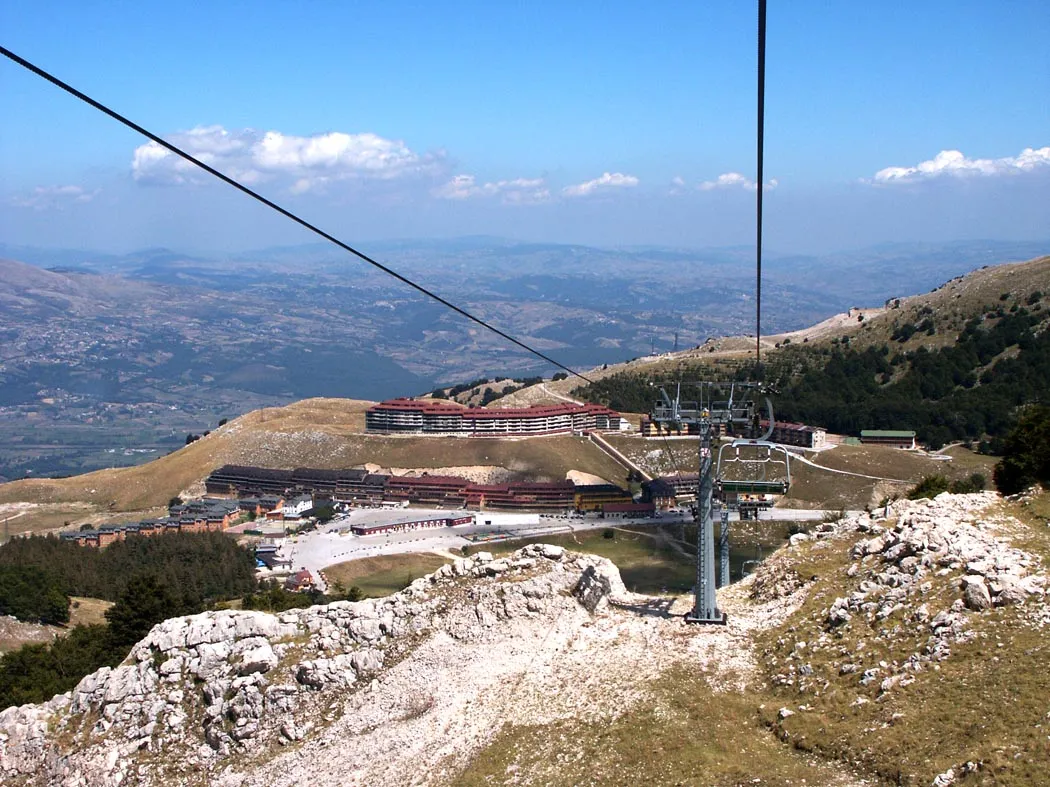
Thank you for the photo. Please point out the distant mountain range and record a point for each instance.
(141, 348)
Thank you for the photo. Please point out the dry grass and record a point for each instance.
(985, 704)
(813, 488)
(878, 460)
(85, 611)
(964, 462)
(684, 734)
(658, 455)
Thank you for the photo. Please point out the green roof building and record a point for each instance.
(895, 438)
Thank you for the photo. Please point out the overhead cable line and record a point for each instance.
(760, 185)
(283, 211)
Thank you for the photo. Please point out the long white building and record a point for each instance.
(408, 416)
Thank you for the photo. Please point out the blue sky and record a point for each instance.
(604, 123)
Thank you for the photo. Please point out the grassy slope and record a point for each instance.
(315, 432)
(386, 574)
(987, 703)
(814, 488)
(686, 734)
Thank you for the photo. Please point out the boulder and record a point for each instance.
(839, 612)
(259, 658)
(975, 593)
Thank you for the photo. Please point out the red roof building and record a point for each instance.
(409, 416)
(300, 582)
(555, 496)
(787, 433)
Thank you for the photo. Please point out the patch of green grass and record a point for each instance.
(684, 733)
(647, 563)
(386, 574)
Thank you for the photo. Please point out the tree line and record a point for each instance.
(198, 567)
(35, 673)
(149, 579)
(971, 390)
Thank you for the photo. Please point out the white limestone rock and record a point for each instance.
(975, 593)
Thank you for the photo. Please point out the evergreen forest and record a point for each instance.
(149, 579)
(970, 390)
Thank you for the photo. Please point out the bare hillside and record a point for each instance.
(325, 433)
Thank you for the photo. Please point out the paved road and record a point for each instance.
(335, 544)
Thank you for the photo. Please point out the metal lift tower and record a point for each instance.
(706, 415)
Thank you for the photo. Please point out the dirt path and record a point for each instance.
(805, 461)
(557, 395)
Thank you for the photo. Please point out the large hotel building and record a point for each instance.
(409, 416)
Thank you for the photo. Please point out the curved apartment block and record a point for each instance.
(409, 416)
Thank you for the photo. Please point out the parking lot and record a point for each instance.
(333, 542)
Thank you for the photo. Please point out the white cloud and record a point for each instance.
(520, 191)
(307, 163)
(731, 180)
(55, 197)
(613, 180)
(954, 163)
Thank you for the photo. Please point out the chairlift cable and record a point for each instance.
(759, 186)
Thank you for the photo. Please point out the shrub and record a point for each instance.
(975, 483)
(930, 486)
(1026, 453)
(903, 332)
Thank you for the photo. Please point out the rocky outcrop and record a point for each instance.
(905, 564)
(200, 689)
(930, 539)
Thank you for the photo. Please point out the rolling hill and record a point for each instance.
(952, 364)
(329, 432)
(325, 433)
